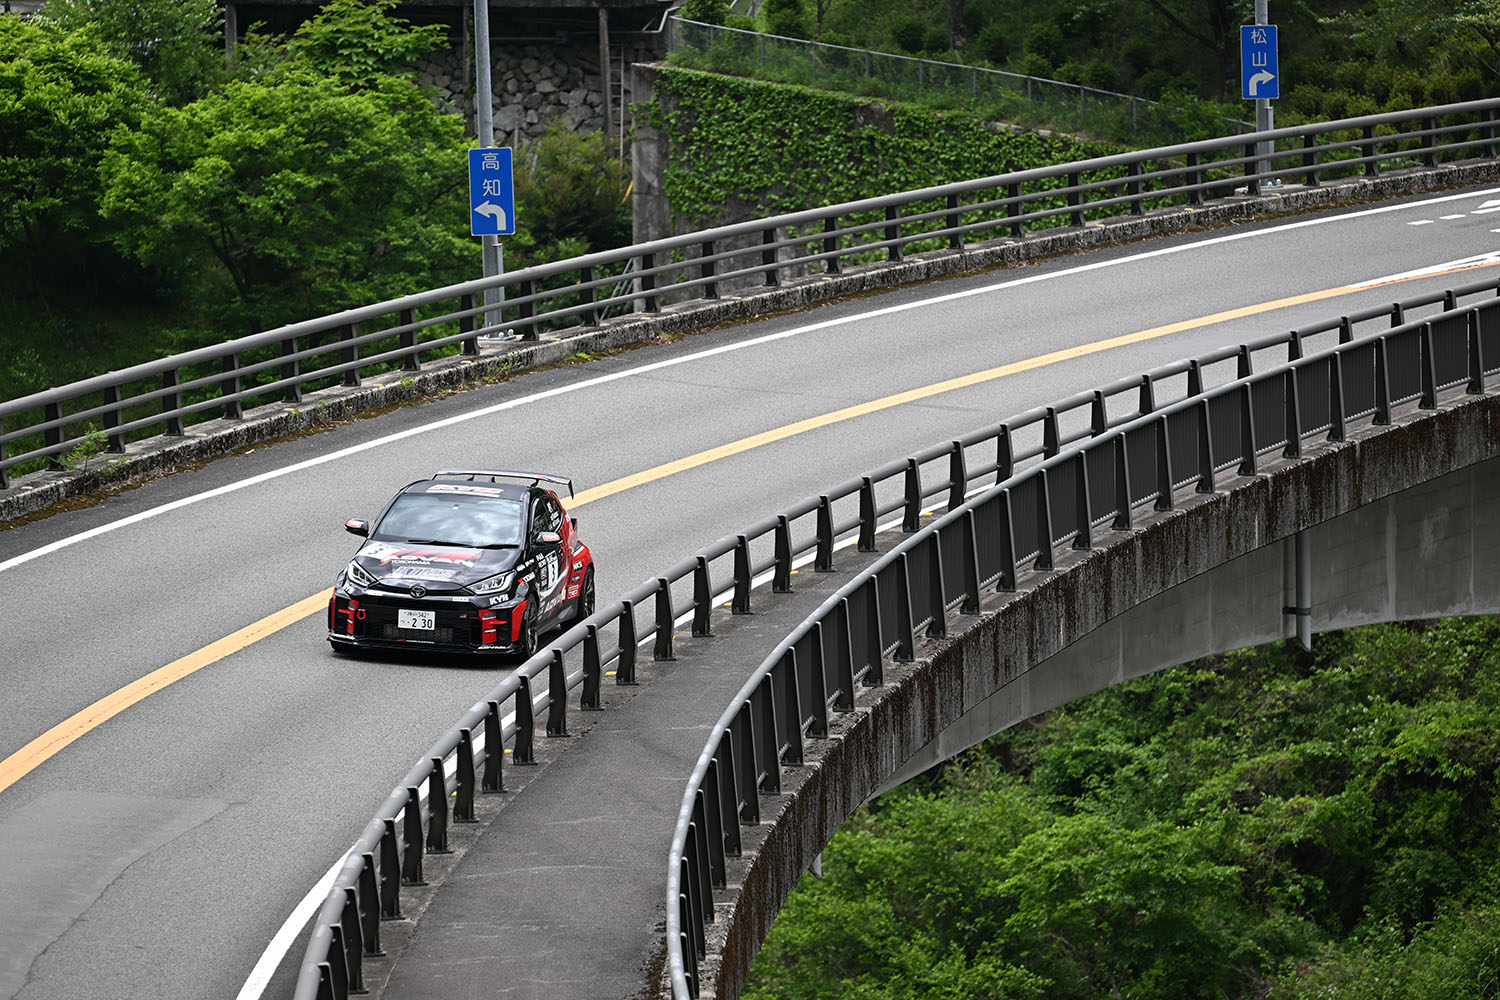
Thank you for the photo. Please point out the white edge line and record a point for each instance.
(94, 532)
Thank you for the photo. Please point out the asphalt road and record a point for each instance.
(157, 854)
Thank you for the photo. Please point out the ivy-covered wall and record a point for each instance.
(711, 150)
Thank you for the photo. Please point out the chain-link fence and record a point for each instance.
(997, 95)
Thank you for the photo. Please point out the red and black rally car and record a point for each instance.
(471, 560)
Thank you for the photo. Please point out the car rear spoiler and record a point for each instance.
(493, 474)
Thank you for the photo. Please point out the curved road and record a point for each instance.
(157, 854)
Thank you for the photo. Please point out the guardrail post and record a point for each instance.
(1252, 169)
(911, 513)
(526, 310)
(875, 671)
(662, 648)
(1205, 450)
(230, 366)
(843, 698)
(338, 961)
(466, 324)
(349, 926)
(867, 516)
(349, 354)
(768, 261)
(1194, 378)
(1098, 415)
(1163, 467)
(1336, 398)
(707, 269)
(937, 596)
(1083, 537)
(781, 573)
(1367, 150)
(1310, 160)
(970, 606)
(1122, 521)
(411, 361)
(1194, 179)
(1346, 330)
(1051, 435)
(463, 795)
(1014, 208)
(1147, 397)
(390, 873)
(369, 907)
(1043, 525)
(1429, 371)
(292, 370)
(171, 402)
(524, 752)
(823, 558)
(1007, 530)
(325, 981)
(437, 809)
(494, 751)
(906, 640)
(894, 252)
(112, 420)
(702, 599)
(763, 771)
(831, 263)
(1133, 188)
(557, 697)
(1476, 355)
(818, 678)
(411, 835)
(791, 715)
(1242, 365)
(739, 604)
(1429, 142)
(1398, 315)
(625, 665)
(1293, 396)
(1248, 463)
(588, 294)
(1488, 132)
(1005, 465)
(1075, 198)
(647, 282)
(958, 476)
(1382, 385)
(593, 672)
(954, 222)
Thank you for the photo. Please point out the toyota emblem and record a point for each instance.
(419, 591)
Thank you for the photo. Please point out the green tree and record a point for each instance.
(61, 96)
(175, 43)
(304, 195)
(570, 198)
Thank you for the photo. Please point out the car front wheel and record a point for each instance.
(585, 605)
(529, 642)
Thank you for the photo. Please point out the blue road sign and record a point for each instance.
(1259, 74)
(492, 192)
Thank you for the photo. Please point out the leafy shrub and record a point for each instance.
(908, 34)
(993, 44)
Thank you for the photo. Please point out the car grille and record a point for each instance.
(454, 625)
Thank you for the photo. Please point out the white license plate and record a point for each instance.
(426, 620)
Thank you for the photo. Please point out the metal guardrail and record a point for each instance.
(1031, 99)
(169, 394)
(414, 819)
(1116, 466)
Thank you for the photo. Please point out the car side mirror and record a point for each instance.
(358, 526)
(548, 538)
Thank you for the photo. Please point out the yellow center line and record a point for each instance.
(33, 754)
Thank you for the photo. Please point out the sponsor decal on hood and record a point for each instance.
(385, 554)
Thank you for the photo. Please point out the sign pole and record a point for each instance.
(484, 106)
(1265, 118)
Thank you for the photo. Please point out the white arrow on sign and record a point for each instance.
(1489, 206)
(491, 209)
(1264, 76)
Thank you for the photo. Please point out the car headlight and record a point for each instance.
(494, 584)
(356, 574)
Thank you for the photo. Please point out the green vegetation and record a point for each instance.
(1267, 824)
(830, 148)
(1338, 58)
(153, 200)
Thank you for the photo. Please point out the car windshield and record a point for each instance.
(428, 519)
